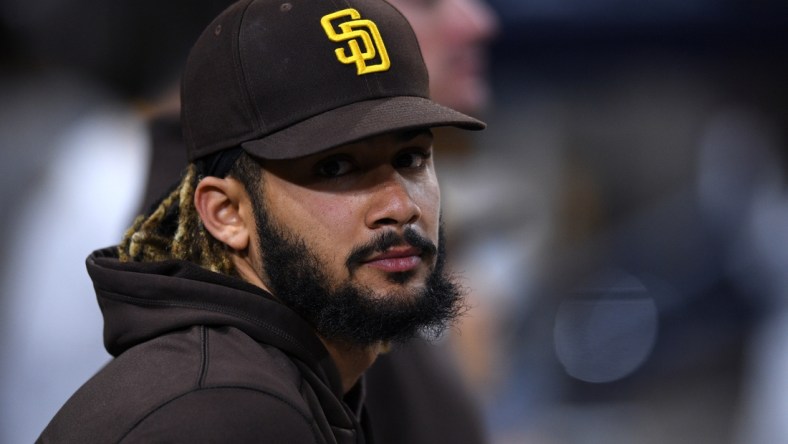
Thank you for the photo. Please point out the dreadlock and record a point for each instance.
(174, 230)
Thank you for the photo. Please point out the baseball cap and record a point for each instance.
(285, 79)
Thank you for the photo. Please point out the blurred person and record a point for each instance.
(63, 137)
(453, 36)
(75, 167)
(232, 278)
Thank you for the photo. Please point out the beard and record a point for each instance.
(350, 313)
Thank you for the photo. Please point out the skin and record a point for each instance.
(453, 36)
(336, 200)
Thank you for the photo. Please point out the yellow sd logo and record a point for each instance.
(358, 34)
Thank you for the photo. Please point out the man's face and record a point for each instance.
(350, 239)
(453, 36)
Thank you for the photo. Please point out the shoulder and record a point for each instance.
(189, 381)
(226, 414)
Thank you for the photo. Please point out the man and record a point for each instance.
(93, 83)
(415, 393)
(304, 237)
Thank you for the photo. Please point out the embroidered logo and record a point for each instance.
(363, 40)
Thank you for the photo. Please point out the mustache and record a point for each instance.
(386, 240)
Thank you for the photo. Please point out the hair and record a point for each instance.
(173, 228)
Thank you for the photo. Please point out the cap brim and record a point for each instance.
(354, 122)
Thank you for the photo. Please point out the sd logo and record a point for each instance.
(363, 40)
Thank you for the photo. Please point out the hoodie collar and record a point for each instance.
(144, 300)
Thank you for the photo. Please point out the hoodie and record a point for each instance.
(204, 357)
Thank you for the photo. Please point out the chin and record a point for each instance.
(399, 286)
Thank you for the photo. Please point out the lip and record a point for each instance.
(396, 260)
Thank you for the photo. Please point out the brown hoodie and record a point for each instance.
(203, 357)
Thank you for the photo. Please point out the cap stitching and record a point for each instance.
(241, 75)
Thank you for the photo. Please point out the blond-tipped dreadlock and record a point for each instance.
(174, 231)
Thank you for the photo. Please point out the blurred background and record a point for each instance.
(627, 210)
(622, 224)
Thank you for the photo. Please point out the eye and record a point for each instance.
(334, 167)
(411, 159)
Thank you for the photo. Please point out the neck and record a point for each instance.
(352, 361)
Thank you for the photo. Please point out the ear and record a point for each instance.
(223, 207)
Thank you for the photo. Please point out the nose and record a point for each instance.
(392, 203)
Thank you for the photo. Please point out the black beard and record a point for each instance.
(351, 314)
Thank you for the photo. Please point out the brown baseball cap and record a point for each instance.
(284, 79)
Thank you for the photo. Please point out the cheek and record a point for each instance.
(332, 218)
(428, 198)
(309, 211)
(324, 221)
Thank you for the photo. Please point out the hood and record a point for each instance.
(143, 300)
